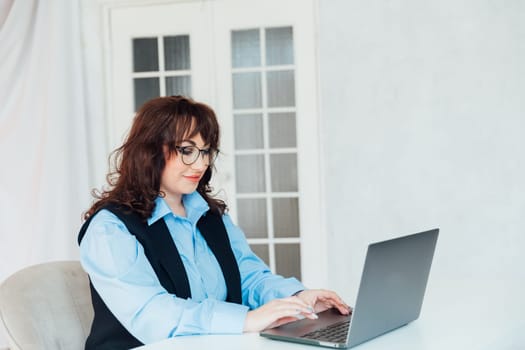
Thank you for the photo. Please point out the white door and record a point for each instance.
(254, 63)
(155, 51)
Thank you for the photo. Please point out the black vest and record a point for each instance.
(107, 333)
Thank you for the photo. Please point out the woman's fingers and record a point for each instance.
(336, 302)
(305, 304)
(277, 312)
(294, 307)
(324, 299)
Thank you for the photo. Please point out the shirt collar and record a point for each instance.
(194, 204)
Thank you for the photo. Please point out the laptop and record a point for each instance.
(390, 295)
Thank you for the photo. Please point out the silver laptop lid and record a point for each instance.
(392, 285)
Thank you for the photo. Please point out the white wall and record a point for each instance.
(423, 116)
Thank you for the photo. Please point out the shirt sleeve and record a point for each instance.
(128, 285)
(259, 285)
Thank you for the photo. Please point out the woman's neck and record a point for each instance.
(176, 205)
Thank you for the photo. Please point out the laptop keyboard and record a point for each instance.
(335, 333)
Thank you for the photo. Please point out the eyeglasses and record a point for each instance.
(190, 154)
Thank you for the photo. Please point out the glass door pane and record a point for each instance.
(161, 67)
(263, 92)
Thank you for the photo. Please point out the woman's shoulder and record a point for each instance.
(104, 215)
(225, 217)
(105, 221)
(234, 232)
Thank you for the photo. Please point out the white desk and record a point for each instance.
(473, 315)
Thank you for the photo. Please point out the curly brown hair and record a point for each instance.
(138, 163)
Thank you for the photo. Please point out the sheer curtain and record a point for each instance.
(46, 147)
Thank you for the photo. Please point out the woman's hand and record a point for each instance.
(276, 313)
(321, 300)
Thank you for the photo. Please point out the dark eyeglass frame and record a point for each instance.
(209, 155)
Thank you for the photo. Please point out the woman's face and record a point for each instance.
(178, 178)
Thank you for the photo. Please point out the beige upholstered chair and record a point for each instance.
(47, 306)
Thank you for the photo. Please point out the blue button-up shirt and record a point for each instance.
(125, 280)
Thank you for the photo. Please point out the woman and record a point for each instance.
(163, 256)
